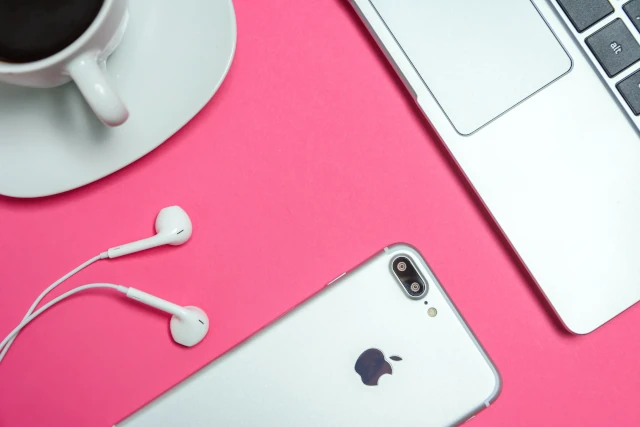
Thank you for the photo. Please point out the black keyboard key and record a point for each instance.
(630, 90)
(614, 47)
(585, 13)
(632, 9)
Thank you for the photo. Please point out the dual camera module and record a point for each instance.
(409, 277)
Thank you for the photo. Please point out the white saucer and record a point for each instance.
(173, 58)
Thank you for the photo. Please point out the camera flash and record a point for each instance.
(432, 312)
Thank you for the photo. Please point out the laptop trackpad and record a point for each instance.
(478, 58)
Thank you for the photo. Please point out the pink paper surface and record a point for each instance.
(311, 158)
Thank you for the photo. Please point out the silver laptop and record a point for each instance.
(538, 102)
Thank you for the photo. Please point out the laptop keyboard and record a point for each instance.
(610, 33)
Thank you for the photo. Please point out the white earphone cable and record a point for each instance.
(54, 301)
(5, 346)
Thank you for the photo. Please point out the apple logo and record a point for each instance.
(371, 365)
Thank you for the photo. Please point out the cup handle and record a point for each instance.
(92, 82)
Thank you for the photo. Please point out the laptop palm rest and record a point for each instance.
(477, 58)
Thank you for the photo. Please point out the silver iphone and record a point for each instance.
(383, 345)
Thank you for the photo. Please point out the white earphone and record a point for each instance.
(189, 325)
(173, 227)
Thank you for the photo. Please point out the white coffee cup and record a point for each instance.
(83, 61)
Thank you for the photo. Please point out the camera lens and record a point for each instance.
(409, 277)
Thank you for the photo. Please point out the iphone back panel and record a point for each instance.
(366, 351)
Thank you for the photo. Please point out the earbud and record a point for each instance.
(189, 325)
(173, 227)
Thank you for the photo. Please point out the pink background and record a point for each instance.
(310, 158)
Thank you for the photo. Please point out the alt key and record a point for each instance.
(630, 90)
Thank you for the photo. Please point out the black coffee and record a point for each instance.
(35, 29)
